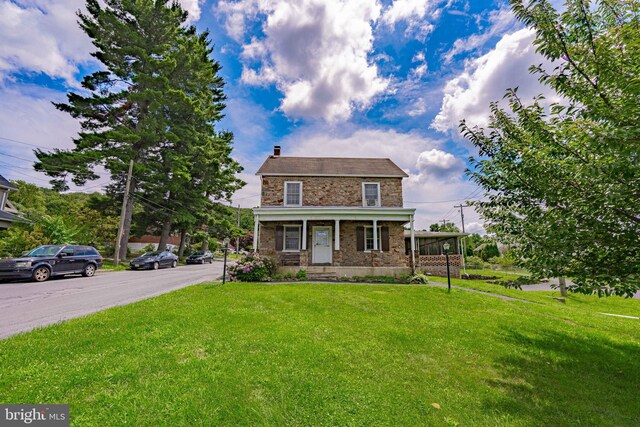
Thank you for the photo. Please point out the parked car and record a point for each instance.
(199, 257)
(154, 260)
(52, 260)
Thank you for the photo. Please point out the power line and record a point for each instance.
(22, 142)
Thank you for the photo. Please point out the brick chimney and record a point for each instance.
(276, 151)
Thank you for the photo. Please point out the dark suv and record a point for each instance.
(52, 260)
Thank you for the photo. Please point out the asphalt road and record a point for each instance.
(27, 305)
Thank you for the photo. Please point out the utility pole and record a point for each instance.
(125, 199)
(461, 213)
(238, 238)
(463, 248)
(444, 222)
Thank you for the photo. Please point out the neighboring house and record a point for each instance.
(8, 212)
(334, 217)
(430, 255)
(137, 244)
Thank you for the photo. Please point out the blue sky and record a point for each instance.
(357, 78)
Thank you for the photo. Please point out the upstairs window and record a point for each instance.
(371, 194)
(293, 193)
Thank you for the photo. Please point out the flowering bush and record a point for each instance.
(252, 268)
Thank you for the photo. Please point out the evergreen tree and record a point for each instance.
(155, 102)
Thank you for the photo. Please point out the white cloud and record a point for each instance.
(418, 108)
(420, 70)
(193, 7)
(417, 14)
(439, 164)
(42, 36)
(500, 21)
(485, 79)
(27, 115)
(315, 52)
(474, 227)
(407, 10)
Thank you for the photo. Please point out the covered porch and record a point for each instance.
(426, 249)
(340, 241)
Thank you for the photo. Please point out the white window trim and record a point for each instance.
(379, 238)
(364, 198)
(284, 238)
(285, 192)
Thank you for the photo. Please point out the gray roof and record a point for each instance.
(6, 216)
(434, 234)
(330, 166)
(4, 183)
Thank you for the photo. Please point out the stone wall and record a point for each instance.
(437, 264)
(331, 191)
(348, 255)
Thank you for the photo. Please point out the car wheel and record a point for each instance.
(41, 274)
(210, 260)
(89, 270)
(174, 264)
(156, 265)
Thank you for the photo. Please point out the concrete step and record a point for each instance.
(322, 276)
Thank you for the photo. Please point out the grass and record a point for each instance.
(107, 265)
(331, 354)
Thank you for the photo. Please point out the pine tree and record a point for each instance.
(155, 102)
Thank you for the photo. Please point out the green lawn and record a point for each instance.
(329, 354)
(107, 265)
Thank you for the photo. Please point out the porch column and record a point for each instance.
(375, 235)
(337, 227)
(256, 230)
(304, 234)
(413, 247)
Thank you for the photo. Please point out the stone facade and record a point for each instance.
(348, 255)
(331, 190)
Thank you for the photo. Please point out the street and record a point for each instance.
(28, 305)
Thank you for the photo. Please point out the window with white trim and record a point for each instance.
(291, 238)
(368, 238)
(293, 193)
(371, 194)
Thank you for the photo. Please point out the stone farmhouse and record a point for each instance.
(342, 217)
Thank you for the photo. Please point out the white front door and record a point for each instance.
(321, 245)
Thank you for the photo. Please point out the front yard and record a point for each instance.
(329, 354)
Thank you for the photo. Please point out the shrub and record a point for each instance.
(419, 279)
(503, 261)
(301, 275)
(475, 262)
(252, 268)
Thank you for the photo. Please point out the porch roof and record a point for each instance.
(333, 213)
(435, 234)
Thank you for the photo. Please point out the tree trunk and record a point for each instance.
(128, 214)
(563, 286)
(183, 242)
(164, 236)
(205, 245)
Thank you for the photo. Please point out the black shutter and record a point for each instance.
(279, 237)
(384, 231)
(360, 239)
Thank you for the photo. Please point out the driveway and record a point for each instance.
(27, 305)
(548, 286)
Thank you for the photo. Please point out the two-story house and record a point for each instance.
(8, 213)
(333, 216)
